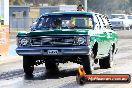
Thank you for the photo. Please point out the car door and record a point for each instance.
(111, 35)
(103, 37)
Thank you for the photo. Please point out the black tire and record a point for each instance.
(51, 66)
(88, 63)
(128, 28)
(28, 65)
(107, 62)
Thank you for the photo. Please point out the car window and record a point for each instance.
(102, 26)
(97, 25)
(106, 23)
(129, 17)
(117, 16)
(83, 22)
(41, 22)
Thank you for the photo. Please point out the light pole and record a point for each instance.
(86, 4)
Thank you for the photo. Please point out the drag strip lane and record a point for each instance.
(12, 76)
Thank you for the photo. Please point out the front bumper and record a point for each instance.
(73, 50)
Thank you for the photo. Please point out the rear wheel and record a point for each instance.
(28, 65)
(107, 62)
(51, 66)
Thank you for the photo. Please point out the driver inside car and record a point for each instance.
(70, 24)
(57, 23)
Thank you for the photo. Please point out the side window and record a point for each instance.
(82, 22)
(89, 23)
(102, 26)
(106, 23)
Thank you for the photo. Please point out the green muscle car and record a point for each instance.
(85, 38)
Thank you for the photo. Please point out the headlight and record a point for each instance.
(23, 41)
(81, 40)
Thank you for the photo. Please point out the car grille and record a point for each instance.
(52, 41)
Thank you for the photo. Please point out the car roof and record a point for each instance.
(73, 12)
(118, 14)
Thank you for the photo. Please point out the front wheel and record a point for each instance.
(88, 64)
(28, 65)
(107, 62)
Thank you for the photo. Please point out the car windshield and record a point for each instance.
(117, 16)
(65, 22)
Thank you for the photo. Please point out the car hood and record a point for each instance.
(55, 32)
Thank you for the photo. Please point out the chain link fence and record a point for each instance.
(21, 24)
